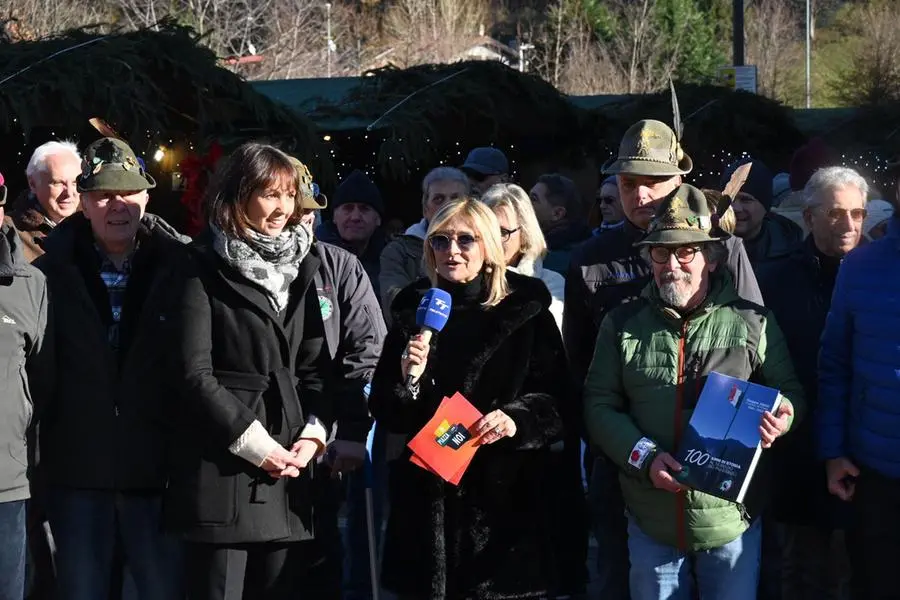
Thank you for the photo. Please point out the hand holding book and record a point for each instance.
(661, 470)
(774, 426)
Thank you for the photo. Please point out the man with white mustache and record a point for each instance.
(651, 361)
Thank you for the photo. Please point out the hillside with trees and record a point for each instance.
(583, 47)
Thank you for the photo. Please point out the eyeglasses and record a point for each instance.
(441, 242)
(505, 233)
(607, 199)
(683, 254)
(840, 214)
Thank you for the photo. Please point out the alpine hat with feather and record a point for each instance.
(652, 148)
(109, 164)
(683, 218)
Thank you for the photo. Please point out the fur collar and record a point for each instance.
(527, 298)
(30, 218)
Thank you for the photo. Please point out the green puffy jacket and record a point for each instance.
(649, 367)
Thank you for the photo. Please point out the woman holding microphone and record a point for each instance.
(500, 348)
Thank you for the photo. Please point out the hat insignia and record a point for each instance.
(98, 165)
(129, 163)
(644, 138)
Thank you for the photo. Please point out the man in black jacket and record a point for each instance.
(26, 354)
(354, 332)
(607, 271)
(104, 437)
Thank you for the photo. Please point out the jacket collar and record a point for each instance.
(12, 259)
(248, 291)
(527, 297)
(30, 217)
(75, 232)
(721, 292)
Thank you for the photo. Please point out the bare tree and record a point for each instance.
(32, 19)
(588, 69)
(773, 34)
(645, 58)
(288, 37)
(873, 75)
(433, 31)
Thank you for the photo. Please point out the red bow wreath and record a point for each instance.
(195, 171)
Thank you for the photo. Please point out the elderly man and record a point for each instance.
(26, 352)
(858, 422)
(798, 291)
(401, 261)
(52, 194)
(485, 167)
(356, 222)
(651, 360)
(104, 438)
(607, 271)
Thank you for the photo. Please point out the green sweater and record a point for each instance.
(648, 370)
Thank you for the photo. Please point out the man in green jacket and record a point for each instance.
(651, 360)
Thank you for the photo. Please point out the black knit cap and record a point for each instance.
(358, 188)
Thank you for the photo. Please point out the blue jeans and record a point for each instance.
(12, 550)
(607, 514)
(86, 525)
(357, 575)
(661, 572)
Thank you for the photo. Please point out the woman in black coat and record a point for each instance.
(486, 538)
(251, 367)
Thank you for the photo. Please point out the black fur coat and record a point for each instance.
(487, 538)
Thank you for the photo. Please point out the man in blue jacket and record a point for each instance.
(859, 408)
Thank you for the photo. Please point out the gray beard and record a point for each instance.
(670, 293)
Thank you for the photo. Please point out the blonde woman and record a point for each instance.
(524, 246)
(486, 537)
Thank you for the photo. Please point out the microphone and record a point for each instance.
(431, 316)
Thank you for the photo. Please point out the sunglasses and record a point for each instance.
(683, 254)
(839, 214)
(505, 233)
(441, 242)
(607, 199)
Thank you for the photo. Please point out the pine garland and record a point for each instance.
(150, 80)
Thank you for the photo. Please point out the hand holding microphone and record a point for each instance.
(431, 316)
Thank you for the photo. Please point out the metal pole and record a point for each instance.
(328, 35)
(808, 54)
(738, 31)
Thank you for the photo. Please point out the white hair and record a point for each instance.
(38, 160)
(830, 179)
(443, 174)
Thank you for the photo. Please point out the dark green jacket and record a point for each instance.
(648, 370)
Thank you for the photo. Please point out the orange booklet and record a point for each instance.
(445, 445)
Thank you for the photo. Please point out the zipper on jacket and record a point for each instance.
(681, 533)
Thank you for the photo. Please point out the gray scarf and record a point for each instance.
(272, 263)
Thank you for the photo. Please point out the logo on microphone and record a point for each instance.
(451, 436)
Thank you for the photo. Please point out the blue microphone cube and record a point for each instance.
(434, 309)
